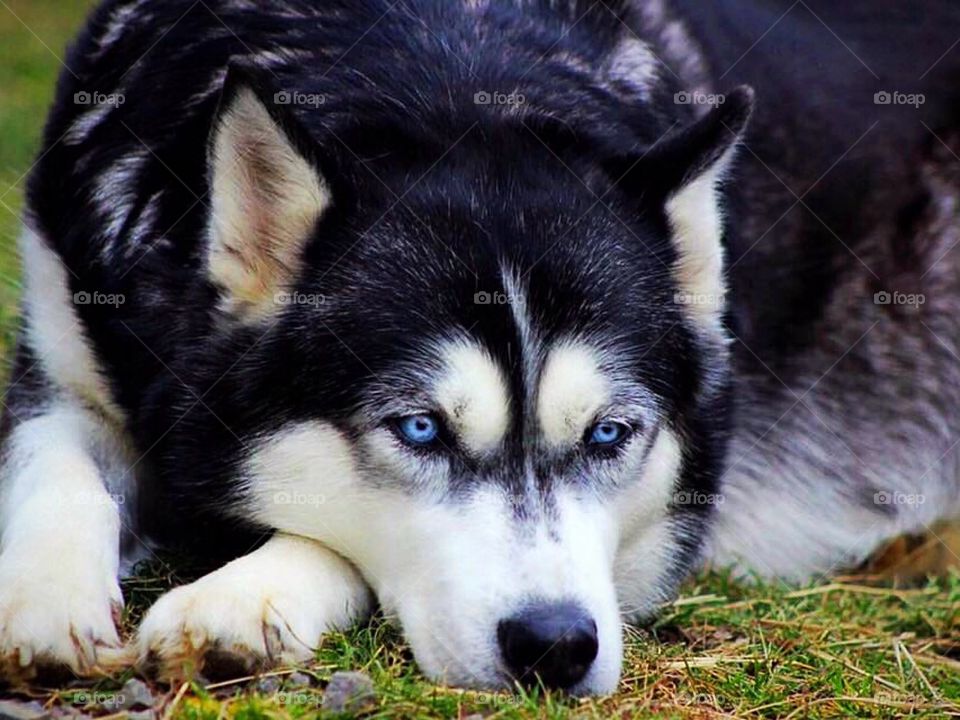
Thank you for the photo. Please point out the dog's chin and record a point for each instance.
(489, 674)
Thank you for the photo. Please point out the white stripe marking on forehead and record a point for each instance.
(573, 389)
(474, 394)
(520, 310)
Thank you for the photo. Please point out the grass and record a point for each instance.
(724, 649)
(33, 35)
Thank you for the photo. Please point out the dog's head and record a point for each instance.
(486, 365)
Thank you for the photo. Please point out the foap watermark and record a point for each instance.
(494, 700)
(100, 698)
(705, 299)
(292, 97)
(697, 97)
(84, 297)
(890, 696)
(87, 498)
(299, 697)
(492, 298)
(884, 297)
(98, 98)
(299, 298)
(498, 98)
(299, 498)
(695, 497)
(895, 97)
(895, 497)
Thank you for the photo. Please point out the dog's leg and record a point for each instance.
(62, 478)
(59, 545)
(271, 606)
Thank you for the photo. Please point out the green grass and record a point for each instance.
(33, 37)
(723, 650)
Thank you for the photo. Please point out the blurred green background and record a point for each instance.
(33, 38)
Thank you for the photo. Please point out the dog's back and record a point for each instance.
(843, 274)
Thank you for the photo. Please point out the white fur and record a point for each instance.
(816, 531)
(53, 327)
(292, 475)
(573, 389)
(820, 527)
(482, 565)
(697, 224)
(266, 199)
(645, 539)
(448, 571)
(59, 542)
(274, 604)
(530, 345)
(474, 396)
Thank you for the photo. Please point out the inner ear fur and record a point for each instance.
(268, 196)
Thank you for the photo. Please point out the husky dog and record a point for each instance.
(500, 314)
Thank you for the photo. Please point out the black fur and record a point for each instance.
(477, 185)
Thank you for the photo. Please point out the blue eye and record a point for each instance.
(608, 433)
(419, 429)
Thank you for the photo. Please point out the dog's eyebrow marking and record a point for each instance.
(573, 389)
(473, 393)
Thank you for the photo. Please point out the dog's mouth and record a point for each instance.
(554, 653)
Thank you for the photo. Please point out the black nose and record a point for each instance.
(555, 642)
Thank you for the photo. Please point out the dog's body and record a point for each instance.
(263, 310)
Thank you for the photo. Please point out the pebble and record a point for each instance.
(299, 679)
(268, 685)
(349, 692)
(133, 694)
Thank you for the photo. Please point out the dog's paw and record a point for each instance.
(215, 622)
(56, 617)
(259, 611)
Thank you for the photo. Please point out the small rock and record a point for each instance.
(475, 716)
(349, 692)
(16, 710)
(142, 715)
(133, 694)
(299, 679)
(268, 685)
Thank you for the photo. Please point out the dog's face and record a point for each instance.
(490, 376)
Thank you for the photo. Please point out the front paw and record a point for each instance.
(210, 622)
(249, 615)
(57, 617)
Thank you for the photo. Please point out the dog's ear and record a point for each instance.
(267, 196)
(684, 172)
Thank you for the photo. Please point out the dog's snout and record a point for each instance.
(555, 642)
